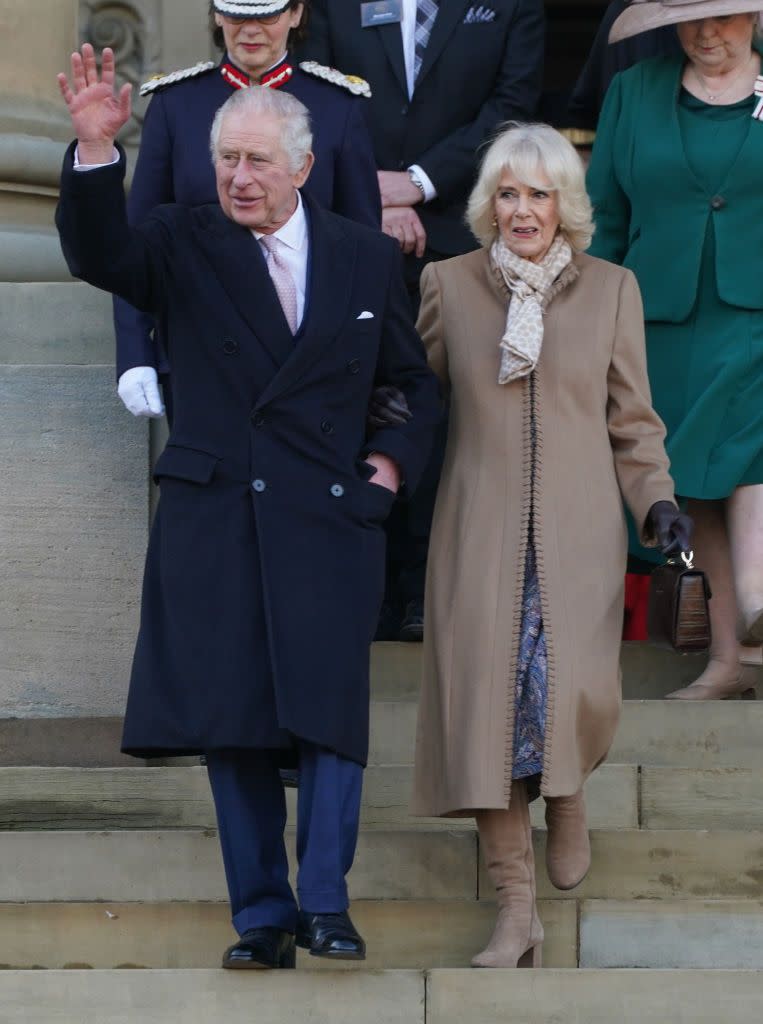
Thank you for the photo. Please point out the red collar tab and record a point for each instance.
(277, 76)
(234, 77)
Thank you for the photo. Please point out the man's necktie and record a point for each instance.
(281, 277)
(426, 12)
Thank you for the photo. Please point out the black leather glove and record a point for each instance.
(387, 408)
(672, 528)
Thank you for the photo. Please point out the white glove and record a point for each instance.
(139, 390)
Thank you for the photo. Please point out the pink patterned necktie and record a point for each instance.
(282, 280)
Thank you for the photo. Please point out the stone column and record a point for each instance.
(35, 43)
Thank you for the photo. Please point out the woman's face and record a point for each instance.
(713, 44)
(253, 44)
(527, 215)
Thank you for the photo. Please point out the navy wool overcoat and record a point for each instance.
(264, 573)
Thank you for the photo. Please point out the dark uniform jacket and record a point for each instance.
(265, 566)
(475, 75)
(174, 166)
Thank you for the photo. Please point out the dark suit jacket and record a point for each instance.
(174, 166)
(474, 76)
(265, 568)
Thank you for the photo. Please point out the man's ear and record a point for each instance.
(303, 173)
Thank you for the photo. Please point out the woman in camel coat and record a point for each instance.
(540, 349)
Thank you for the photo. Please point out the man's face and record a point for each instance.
(255, 183)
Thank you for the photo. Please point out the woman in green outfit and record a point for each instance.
(676, 179)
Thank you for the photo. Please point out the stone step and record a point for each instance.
(161, 866)
(685, 733)
(672, 933)
(169, 797)
(447, 996)
(594, 997)
(398, 933)
(648, 672)
(114, 798)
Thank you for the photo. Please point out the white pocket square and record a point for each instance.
(365, 315)
(479, 15)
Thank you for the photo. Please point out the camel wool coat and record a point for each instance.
(598, 440)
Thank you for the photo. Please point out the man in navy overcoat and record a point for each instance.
(265, 566)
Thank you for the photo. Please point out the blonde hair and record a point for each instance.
(524, 149)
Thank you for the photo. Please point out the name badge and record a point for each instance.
(381, 12)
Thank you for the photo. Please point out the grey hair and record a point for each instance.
(259, 101)
(525, 149)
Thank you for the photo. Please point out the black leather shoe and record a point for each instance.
(412, 626)
(330, 935)
(289, 778)
(260, 948)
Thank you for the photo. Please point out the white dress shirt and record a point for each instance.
(293, 249)
(408, 32)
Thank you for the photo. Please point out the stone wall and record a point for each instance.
(75, 499)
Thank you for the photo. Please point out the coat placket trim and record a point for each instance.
(540, 569)
(516, 633)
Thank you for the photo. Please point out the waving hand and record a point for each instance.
(97, 113)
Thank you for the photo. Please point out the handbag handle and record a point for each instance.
(687, 557)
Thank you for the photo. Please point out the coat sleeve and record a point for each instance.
(402, 363)
(611, 207)
(636, 432)
(429, 325)
(152, 185)
(99, 245)
(450, 164)
(356, 185)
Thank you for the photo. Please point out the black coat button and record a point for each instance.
(258, 486)
(404, 109)
(230, 347)
(353, 366)
(717, 202)
(327, 427)
(401, 165)
(258, 419)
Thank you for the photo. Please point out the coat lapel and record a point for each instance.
(392, 40)
(331, 263)
(239, 264)
(449, 15)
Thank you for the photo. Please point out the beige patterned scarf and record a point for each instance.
(531, 287)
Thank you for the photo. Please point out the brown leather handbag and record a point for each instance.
(678, 615)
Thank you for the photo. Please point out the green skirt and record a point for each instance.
(706, 376)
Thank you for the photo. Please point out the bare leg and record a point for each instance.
(744, 514)
(724, 675)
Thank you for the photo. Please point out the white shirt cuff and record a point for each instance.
(93, 167)
(430, 192)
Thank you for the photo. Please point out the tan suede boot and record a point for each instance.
(568, 848)
(506, 842)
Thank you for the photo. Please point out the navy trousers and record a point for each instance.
(251, 816)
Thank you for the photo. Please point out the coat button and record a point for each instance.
(717, 202)
(258, 419)
(230, 347)
(337, 490)
(327, 427)
(258, 485)
(404, 109)
(353, 366)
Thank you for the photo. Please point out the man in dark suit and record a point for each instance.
(443, 75)
(279, 318)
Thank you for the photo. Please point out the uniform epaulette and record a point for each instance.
(159, 81)
(357, 86)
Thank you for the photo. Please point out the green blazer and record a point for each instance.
(652, 214)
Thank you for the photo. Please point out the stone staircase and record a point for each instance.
(107, 866)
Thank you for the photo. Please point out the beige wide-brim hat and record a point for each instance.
(642, 15)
